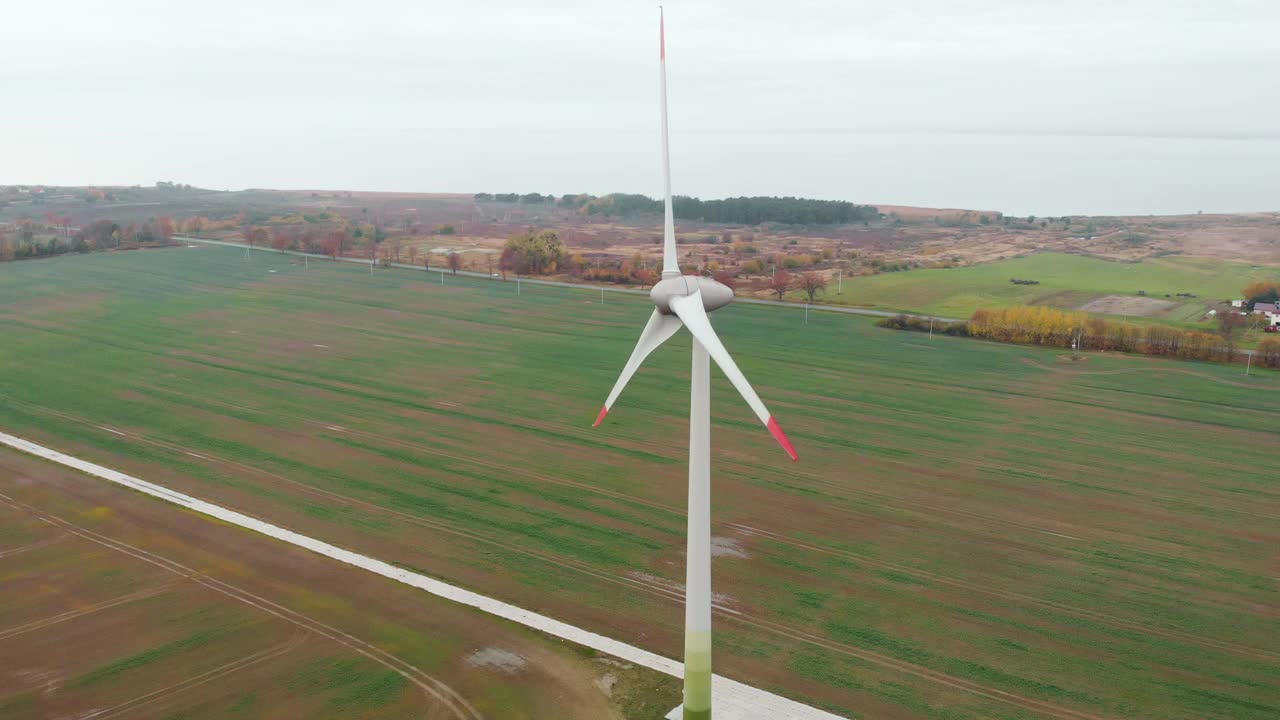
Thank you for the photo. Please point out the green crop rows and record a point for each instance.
(974, 530)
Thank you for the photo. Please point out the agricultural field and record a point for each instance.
(1066, 281)
(113, 604)
(973, 530)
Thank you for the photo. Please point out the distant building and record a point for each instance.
(1237, 303)
(1270, 310)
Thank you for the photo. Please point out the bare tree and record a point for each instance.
(254, 236)
(455, 262)
(506, 262)
(1229, 322)
(812, 283)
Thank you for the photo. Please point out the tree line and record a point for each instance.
(1062, 328)
(35, 240)
(525, 199)
(736, 210)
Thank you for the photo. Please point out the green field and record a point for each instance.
(1066, 281)
(113, 604)
(973, 531)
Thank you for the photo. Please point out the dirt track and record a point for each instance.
(282, 585)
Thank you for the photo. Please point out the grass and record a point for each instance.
(353, 683)
(167, 651)
(131, 649)
(1095, 535)
(1066, 281)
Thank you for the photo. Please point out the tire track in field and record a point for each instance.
(941, 460)
(46, 542)
(271, 653)
(658, 589)
(425, 313)
(941, 678)
(575, 432)
(1180, 371)
(432, 686)
(1255, 653)
(885, 499)
(876, 658)
(161, 589)
(916, 380)
(679, 511)
(770, 627)
(559, 561)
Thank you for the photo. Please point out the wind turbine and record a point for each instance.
(685, 300)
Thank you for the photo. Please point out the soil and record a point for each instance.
(317, 593)
(1128, 305)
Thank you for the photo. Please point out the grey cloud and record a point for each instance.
(796, 76)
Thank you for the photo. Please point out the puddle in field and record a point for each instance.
(727, 547)
(606, 683)
(504, 661)
(718, 599)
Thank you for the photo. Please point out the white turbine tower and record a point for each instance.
(685, 300)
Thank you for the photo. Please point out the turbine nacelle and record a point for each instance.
(714, 294)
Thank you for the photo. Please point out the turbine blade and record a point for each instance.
(689, 309)
(670, 265)
(659, 329)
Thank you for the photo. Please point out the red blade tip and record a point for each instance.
(600, 418)
(781, 437)
(662, 36)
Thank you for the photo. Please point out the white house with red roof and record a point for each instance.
(1270, 310)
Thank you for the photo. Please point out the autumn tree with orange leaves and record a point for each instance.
(1268, 353)
(1267, 291)
(780, 283)
(1057, 328)
(253, 235)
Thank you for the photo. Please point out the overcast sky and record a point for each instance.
(481, 95)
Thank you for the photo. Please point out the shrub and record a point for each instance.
(1058, 328)
(922, 324)
(1268, 353)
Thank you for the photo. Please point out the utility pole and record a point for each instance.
(517, 286)
(930, 327)
(1248, 363)
(839, 283)
(601, 294)
(806, 313)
